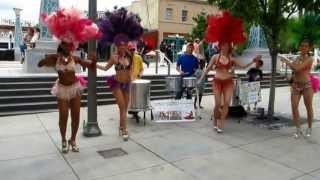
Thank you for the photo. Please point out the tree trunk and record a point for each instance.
(273, 53)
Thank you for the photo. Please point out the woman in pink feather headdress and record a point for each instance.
(71, 28)
(302, 84)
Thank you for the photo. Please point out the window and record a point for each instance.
(169, 13)
(184, 16)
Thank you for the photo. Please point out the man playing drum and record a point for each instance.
(187, 64)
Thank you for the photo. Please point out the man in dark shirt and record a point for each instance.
(187, 64)
(255, 74)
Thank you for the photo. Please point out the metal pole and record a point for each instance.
(157, 60)
(92, 128)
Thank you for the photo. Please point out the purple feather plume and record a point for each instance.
(119, 26)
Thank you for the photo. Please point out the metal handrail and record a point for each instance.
(166, 59)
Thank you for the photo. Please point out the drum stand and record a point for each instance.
(197, 111)
(198, 114)
(144, 114)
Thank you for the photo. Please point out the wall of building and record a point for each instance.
(176, 24)
(148, 10)
(153, 15)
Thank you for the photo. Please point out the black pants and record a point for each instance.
(144, 59)
(180, 93)
(133, 113)
(195, 100)
(182, 89)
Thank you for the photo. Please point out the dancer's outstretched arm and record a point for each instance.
(239, 64)
(90, 62)
(210, 66)
(49, 60)
(111, 61)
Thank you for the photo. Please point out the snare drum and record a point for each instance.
(189, 82)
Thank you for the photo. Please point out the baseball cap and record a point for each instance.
(131, 46)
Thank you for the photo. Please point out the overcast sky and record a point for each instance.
(31, 8)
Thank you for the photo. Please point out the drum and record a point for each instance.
(173, 83)
(139, 95)
(189, 82)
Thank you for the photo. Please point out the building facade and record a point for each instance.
(7, 29)
(170, 17)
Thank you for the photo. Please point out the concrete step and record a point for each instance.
(7, 109)
(32, 94)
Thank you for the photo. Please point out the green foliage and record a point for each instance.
(299, 28)
(272, 15)
(198, 31)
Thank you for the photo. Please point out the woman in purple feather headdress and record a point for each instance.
(118, 28)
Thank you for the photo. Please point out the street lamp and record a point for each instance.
(92, 128)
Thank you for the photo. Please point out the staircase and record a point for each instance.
(22, 95)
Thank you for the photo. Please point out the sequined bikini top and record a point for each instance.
(119, 66)
(71, 66)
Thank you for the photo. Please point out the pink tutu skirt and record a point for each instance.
(315, 83)
(71, 91)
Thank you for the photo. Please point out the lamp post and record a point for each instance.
(17, 33)
(92, 128)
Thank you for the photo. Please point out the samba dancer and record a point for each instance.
(118, 28)
(302, 84)
(71, 28)
(227, 31)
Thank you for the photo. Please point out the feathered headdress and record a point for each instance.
(70, 26)
(119, 26)
(225, 29)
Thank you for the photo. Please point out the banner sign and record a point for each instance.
(171, 110)
(249, 93)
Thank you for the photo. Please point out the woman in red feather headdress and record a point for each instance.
(71, 28)
(227, 31)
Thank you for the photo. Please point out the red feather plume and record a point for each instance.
(225, 29)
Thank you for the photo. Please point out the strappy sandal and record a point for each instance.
(74, 147)
(64, 147)
(125, 134)
(120, 131)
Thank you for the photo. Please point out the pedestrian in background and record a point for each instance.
(137, 71)
(200, 85)
(255, 74)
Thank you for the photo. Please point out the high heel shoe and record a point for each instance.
(219, 131)
(125, 135)
(308, 132)
(120, 131)
(64, 147)
(297, 134)
(74, 147)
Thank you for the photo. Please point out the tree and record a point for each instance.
(299, 27)
(200, 28)
(198, 31)
(272, 16)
